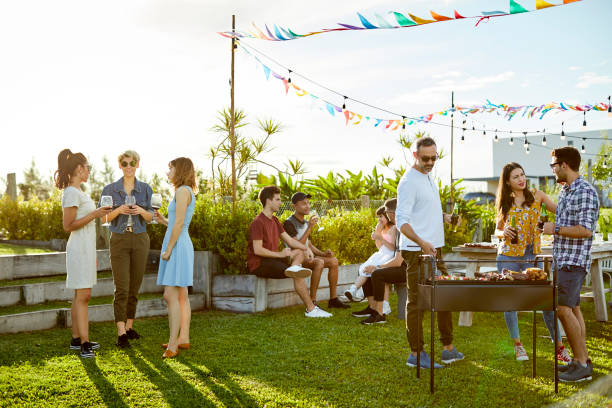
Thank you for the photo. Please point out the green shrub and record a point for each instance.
(33, 219)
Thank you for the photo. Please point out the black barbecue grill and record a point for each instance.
(484, 296)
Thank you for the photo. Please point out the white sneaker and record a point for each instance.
(360, 295)
(386, 308)
(343, 299)
(317, 312)
(297, 271)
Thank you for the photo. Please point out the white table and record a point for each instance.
(599, 252)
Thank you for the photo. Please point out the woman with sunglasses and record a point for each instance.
(176, 266)
(79, 212)
(129, 242)
(514, 200)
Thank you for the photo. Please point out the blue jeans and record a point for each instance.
(520, 263)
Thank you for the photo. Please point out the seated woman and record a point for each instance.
(384, 236)
(514, 200)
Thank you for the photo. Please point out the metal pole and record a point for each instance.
(452, 196)
(233, 118)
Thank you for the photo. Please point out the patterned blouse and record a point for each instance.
(526, 225)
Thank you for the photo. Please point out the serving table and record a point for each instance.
(483, 296)
(486, 257)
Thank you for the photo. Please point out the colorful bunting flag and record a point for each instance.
(279, 33)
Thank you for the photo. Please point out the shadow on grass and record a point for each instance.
(177, 391)
(233, 395)
(107, 391)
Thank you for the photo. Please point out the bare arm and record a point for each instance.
(575, 231)
(543, 198)
(71, 223)
(183, 198)
(292, 242)
(259, 250)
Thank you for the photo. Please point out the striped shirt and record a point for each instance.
(578, 205)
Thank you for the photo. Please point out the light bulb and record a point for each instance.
(544, 141)
(583, 149)
(511, 142)
(584, 121)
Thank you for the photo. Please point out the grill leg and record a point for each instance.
(533, 368)
(431, 347)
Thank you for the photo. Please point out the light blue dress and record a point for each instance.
(178, 270)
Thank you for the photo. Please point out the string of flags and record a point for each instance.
(394, 124)
(391, 20)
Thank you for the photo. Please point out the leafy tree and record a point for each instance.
(34, 185)
(99, 179)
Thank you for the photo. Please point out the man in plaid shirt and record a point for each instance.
(575, 220)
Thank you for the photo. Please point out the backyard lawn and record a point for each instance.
(281, 359)
(8, 249)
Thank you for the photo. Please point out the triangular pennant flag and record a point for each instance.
(293, 34)
(278, 34)
(359, 121)
(540, 4)
(261, 34)
(570, 1)
(346, 115)
(382, 22)
(420, 20)
(439, 17)
(516, 8)
(365, 22)
(403, 20)
(457, 15)
(270, 33)
(330, 108)
(389, 124)
(286, 83)
(267, 72)
(397, 123)
(378, 122)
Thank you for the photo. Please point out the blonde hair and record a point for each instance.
(129, 153)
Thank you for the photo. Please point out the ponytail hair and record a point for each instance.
(67, 162)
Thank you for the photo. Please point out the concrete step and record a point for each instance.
(31, 294)
(52, 318)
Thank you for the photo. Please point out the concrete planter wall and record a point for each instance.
(250, 294)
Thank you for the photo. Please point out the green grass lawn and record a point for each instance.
(8, 249)
(281, 359)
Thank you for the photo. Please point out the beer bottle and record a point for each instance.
(514, 240)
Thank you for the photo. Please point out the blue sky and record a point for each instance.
(150, 75)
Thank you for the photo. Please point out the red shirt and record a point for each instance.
(267, 230)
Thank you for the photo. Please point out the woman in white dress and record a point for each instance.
(79, 212)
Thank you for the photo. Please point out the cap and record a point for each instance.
(299, 196)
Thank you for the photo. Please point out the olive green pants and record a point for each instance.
(128, 253)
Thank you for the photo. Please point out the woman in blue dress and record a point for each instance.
(176, 265)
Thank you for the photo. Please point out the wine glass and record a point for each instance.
(313, 213)
(156, 203)
(106, 201)
(130, 201)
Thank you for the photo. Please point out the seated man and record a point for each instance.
(264, 258)
(393, 271)
(297, 227)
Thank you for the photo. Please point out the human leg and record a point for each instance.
(185, 306)
(120, 255)
(171, 296)
(138, 266)
(81, 320)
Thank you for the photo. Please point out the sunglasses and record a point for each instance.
(552, 165)
(428, 159)
(132, 163)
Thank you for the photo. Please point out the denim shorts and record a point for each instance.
(570, 279)
(517, 263)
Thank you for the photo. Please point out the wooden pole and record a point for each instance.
(11, 186)
(233, 119)
(452, 195)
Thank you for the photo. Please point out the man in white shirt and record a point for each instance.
(420, 219)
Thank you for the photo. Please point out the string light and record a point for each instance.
(562, 131)
(484, 132)
(511, 142)
(609, 108)
(527, 150)
(344, 107)
(583, 150)
(496, 138)
(289, 80)
(544, 137)
(526, 144)
(584, 121)
(463, 132)
(403, 122)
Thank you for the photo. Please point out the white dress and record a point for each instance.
(382, 256)
(81, 247)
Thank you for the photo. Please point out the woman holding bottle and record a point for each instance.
(129, 242)
(176, 265)
(518, 212)
(79, 211)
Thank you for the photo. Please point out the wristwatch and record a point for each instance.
(557, 228)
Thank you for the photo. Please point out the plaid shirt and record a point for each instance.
(578, 205)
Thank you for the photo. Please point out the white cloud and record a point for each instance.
(591, 78)
(448, 74)
(574, 68)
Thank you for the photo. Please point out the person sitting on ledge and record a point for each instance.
(300, 229)
(266, 261)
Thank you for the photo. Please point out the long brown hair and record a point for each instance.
(67, 162)
(184, 173)
(505, 198)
